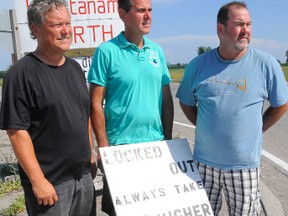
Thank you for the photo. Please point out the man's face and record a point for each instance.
(55, 34)
(236, 34)
(138, 20)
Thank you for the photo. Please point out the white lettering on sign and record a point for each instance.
(85, 63)
(154, 179)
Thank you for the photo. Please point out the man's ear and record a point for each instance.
(35, 29)
(122, 14)
(220, 29)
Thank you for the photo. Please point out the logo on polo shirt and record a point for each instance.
(154, 59)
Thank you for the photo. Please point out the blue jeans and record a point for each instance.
(76, 197)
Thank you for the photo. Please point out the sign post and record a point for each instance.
(93, 22)
(154, 179)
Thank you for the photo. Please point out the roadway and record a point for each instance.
(274, 165)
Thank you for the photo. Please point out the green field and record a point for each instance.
(177, 74)
(285, 70)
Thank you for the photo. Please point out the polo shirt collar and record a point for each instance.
(125, 43)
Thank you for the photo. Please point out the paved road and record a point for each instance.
(275, 142)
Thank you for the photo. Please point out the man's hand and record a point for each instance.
(93, 170)
(100, 164)
(45, 193)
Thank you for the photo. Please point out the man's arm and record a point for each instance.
(24, 151)
(272, 115)
(190, 112)
(92, 160)
(167, 112)
(97, 95)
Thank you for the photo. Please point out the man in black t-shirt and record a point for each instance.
(45, 111)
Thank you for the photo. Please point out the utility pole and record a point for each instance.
(15, 40)
(13, 31)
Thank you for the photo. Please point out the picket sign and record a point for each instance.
(154, 179)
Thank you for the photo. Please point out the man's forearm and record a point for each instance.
(167, 112)
(24, 152)
(272, 115)
(190, 112)
(99, 128)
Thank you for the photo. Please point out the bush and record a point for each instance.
(2, 73)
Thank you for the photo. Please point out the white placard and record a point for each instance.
(154, 179)
(93, 22)
(85, 62)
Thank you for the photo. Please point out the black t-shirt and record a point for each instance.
(52, 104)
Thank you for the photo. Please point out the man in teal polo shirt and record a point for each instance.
(130, 73)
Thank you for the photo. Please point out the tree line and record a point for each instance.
(203, 49)
(200, 50)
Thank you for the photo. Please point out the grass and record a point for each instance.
(177, 74)
(15, 208)
(9, 171)
(285, 70)
(18, 205)
(9, 186)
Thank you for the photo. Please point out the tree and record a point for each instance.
(203, 49)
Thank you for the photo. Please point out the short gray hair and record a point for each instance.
(38, 9)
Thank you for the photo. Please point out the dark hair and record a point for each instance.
(222, 16)
(38, 9)
(125, 5)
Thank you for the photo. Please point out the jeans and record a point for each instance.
(76, 197)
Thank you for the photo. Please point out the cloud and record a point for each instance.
(277, 48)
(182, 48)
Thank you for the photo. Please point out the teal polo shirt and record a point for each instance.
(133, 79)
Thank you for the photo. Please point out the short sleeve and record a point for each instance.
(15, 100)
(276, 85)
(98, 72)
(166, 79)
(185, 91)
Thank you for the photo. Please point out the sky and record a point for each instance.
(181, 26)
